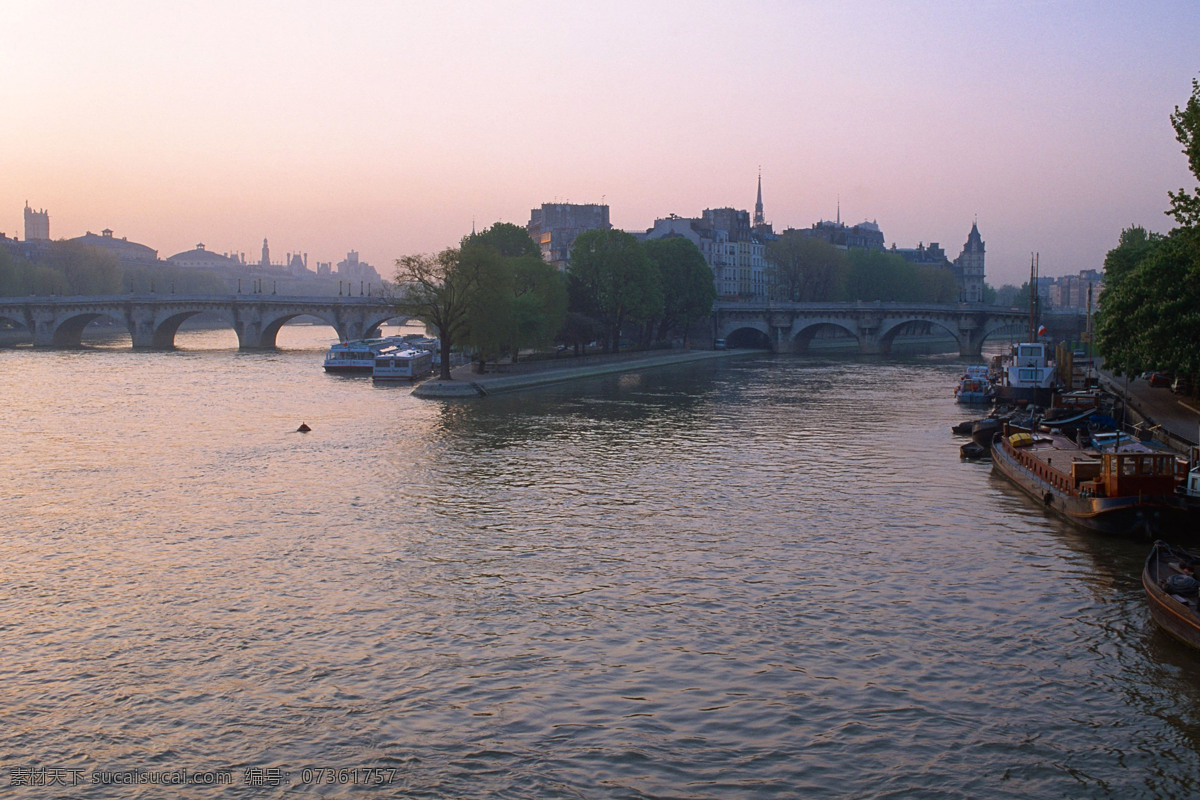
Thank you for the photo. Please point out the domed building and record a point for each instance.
(127, 252)
(203, 259)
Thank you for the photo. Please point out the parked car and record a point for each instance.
(1181, 385)
(1159, 379)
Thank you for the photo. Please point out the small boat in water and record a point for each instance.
(1122, 492)
(358, 355)
(402, 364)
(975, 387)
(1173, 592)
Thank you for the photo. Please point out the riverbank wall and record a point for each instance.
(514, 377)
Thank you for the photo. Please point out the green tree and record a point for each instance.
(1150, 307)
(1149, 315)
(509, 240)
(805, 269)
(88, 270)
(1185, 206)
(539, 302)
(523, 303)
(489, 328)
(613, 280)
(441, 290)
(687, 280)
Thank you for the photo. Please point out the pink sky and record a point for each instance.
(388, 127)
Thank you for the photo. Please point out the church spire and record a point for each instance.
(758, 206)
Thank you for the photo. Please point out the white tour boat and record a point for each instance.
(358, 356)
(402, 364)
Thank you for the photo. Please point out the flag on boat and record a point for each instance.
(1041, 330)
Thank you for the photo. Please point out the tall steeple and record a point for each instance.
(758, 207)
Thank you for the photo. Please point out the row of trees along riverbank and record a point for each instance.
(74, 269)
(1149, 317)
(495, 296)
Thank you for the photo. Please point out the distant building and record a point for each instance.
(969, 268)
(127, 252)
(200, 258)
(863, 236)
(1070, 292)
(354, 269)
(555, 226)
(37, 224)
(734, 252)
(297, 264)
(734, 245)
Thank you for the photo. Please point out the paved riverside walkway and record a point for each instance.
(527, 374)
(1177, 414)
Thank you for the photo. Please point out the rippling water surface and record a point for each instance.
(764, 577)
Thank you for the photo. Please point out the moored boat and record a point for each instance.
(975, 387)
(1189, 490)
(402, 364)
(1113, 492)
(1028, 375)
(1173, 592)
(358, 355)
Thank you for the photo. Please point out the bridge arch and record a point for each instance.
(873, 325)
(68, 332)
(899, 326)
(748, 338)
(153, 321)
(802, 335)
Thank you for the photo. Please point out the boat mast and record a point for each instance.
(1031, 291)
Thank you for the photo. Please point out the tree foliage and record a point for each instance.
(876, 275)
(804, 268)
(523, 302)
(613, 280)
(72, 268)
(439, 290)
(1149, 314)
(493, 294)
(687, 281)
(1185, 206)
(807, 269)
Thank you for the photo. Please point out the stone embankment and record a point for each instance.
(466, 383)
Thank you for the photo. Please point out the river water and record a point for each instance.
(764, 577)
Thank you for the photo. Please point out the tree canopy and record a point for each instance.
(72, 268)
(1149, 314)
(687, 281)
(439, 290)
(613, 280)
(493, 294)
(810, 270)
(804, 268)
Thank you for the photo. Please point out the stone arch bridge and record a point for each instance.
(790, 327)
(153, 320)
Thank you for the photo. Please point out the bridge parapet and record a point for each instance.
(153, 320)
(874, 325)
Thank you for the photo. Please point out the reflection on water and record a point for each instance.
(769, 577)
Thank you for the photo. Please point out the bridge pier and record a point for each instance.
(140, 322)
(41, 325)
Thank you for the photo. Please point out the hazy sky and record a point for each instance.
(388, 127)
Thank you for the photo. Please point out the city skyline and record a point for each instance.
(391, 131)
